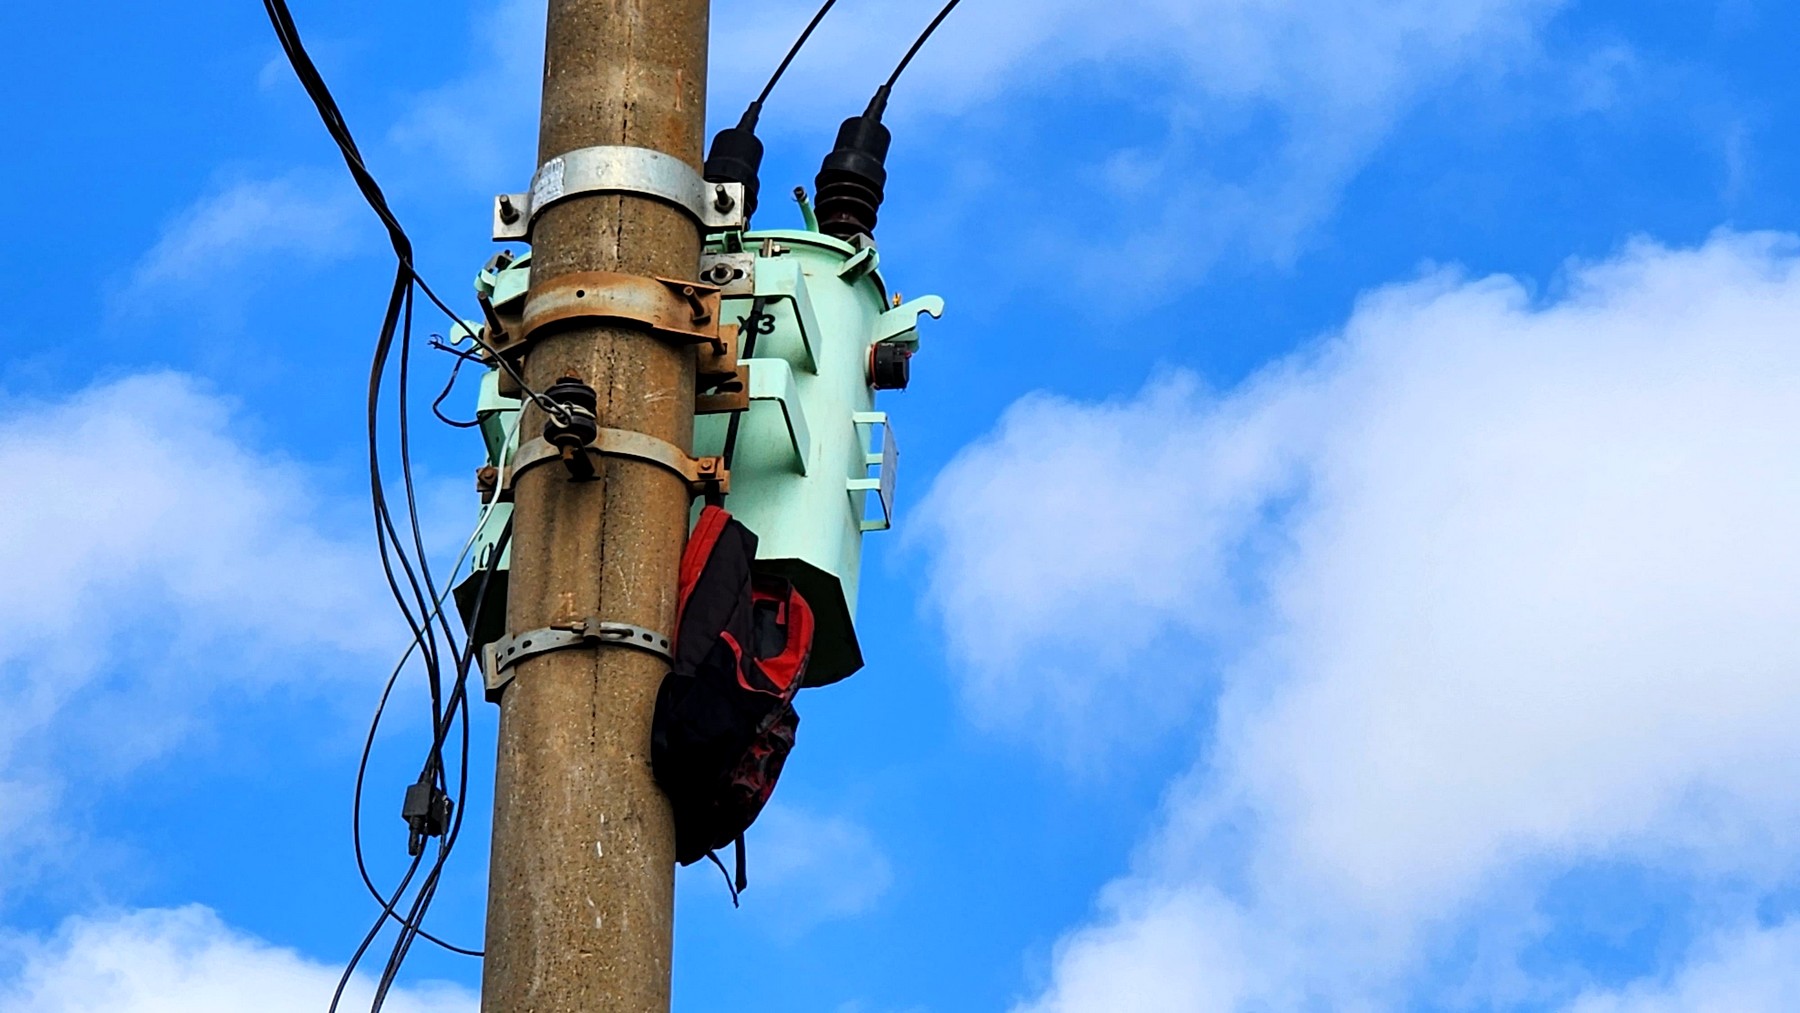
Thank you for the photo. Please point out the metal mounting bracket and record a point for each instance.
(887, 459)
(773, 380)
(780, 279)
(682, 312)
(613, 168)
(733, 273)
(498, 658)
(702, 474)
(900, 325)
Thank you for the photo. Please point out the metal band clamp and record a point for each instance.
(620, 169)
(499, 657)
(701, 474)
(684, 312)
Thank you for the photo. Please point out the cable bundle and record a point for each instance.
(403, 560)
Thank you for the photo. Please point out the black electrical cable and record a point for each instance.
(369, 938)
(852, 179)
(919, 44)
(792, 52)
(412, 923)
(397, 317)
(412, 509)
(751, 326)
(437, 405)
(413, 588)
(735, 154)
(462, 793)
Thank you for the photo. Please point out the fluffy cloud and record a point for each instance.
(1346, 53)
(1494, 586)
(1253, 113)
(297, 216)
(155, 558)
(185, 961)
(815, 868)
(482, 123)
(1313, 87)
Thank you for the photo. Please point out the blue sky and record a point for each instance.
(1346, 555)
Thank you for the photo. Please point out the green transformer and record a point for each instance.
(813, 462)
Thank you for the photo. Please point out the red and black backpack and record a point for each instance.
(725, 717)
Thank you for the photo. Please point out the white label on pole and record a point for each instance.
(548, 187)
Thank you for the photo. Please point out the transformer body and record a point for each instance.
(813, 463)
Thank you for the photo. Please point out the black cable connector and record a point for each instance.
(427, 812)
(890, 366)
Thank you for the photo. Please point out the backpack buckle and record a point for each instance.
(498, 658)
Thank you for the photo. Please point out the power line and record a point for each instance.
(792, 52)
(919, 44)
(381, 709)
(404, 559)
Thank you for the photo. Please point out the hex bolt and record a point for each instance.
(722, 201)
(508, 212)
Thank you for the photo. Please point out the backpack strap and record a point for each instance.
(699, 548)
(735, 888)
(743, 881)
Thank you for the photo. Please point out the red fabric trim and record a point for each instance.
(736, 651)
(699, 548)
(783, 668)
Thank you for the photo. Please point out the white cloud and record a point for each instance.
(1314, 87)
(1230, 125)
(156, 558)
(836, 863)
(482, 123)
(1344, 53)
(1496, 587)
(297, 217)
(807, 869)
(186, 961)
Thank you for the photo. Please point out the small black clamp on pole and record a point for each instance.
(426, 812)
(575, 427)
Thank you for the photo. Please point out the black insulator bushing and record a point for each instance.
(736, 157)
(578, 426)
(853, 179)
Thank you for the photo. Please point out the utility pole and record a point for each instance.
(581, 898)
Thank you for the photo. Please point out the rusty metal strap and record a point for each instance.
(499, 657)
(701, 474)
(683, 312)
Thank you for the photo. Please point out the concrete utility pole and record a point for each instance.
(581, 900)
